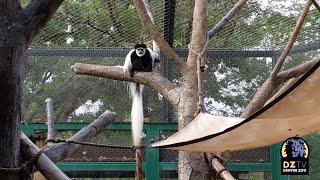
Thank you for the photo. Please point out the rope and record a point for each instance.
(221, 171)
(87, 144)
(138, 172)
(207, 160)
(215, 156)
(26, 167)
(200, 70)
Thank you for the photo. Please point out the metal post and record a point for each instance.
(152, 170)
(274, 58)
(276, 163)
(166, 65)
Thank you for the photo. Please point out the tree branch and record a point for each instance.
(316, 4)
(151, 79)
(155, 47)
(286, 86)
(296, 71)
(219, 168)
(44, 164)
(260, 97)
(292, 39)
(156, 36)
(36, 15)
(58, 152)
(219, 26)
(268, 87)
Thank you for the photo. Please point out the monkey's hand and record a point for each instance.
(131, 73)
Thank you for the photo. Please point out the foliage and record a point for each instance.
(98, 24)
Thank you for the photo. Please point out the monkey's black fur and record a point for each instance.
(143, 63)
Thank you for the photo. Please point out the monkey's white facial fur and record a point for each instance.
(140, 51)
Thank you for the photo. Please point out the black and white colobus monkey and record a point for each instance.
(138, 59)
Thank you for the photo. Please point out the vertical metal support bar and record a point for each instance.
(152, 170)
(276, 163)
(274, 58)
(169, 14)
(168, 25)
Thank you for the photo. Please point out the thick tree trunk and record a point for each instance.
(11, 67)
(17, 28)
(192, 165)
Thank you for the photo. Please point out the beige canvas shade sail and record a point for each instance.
(296, 112)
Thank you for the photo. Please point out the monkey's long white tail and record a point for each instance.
(136, 112)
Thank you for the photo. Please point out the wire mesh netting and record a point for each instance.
(106, 23)
(101, 31)
(77, 97)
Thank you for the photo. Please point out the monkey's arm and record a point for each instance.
(127, 63)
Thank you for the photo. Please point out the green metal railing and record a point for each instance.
(152, 165)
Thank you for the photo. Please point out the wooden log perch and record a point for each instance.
(221, 171)
(44, 164)
(152, 79)
(50, 119)
(296, 71)
(58, 152)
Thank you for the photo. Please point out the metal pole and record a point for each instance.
(166, 65)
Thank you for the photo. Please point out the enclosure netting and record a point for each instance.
(262, 24)
(101, 31)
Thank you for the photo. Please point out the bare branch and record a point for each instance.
(156, 36)
(286, 86)
(260, 97)
(58, 152)
(44, 164)
(268, 87)
(316, 4)
(296, 71)
(151, 79)
(220, 169)
(36, 15)
(219, 26)
(292, 39)
(155, 47)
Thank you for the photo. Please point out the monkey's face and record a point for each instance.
(140, 51)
